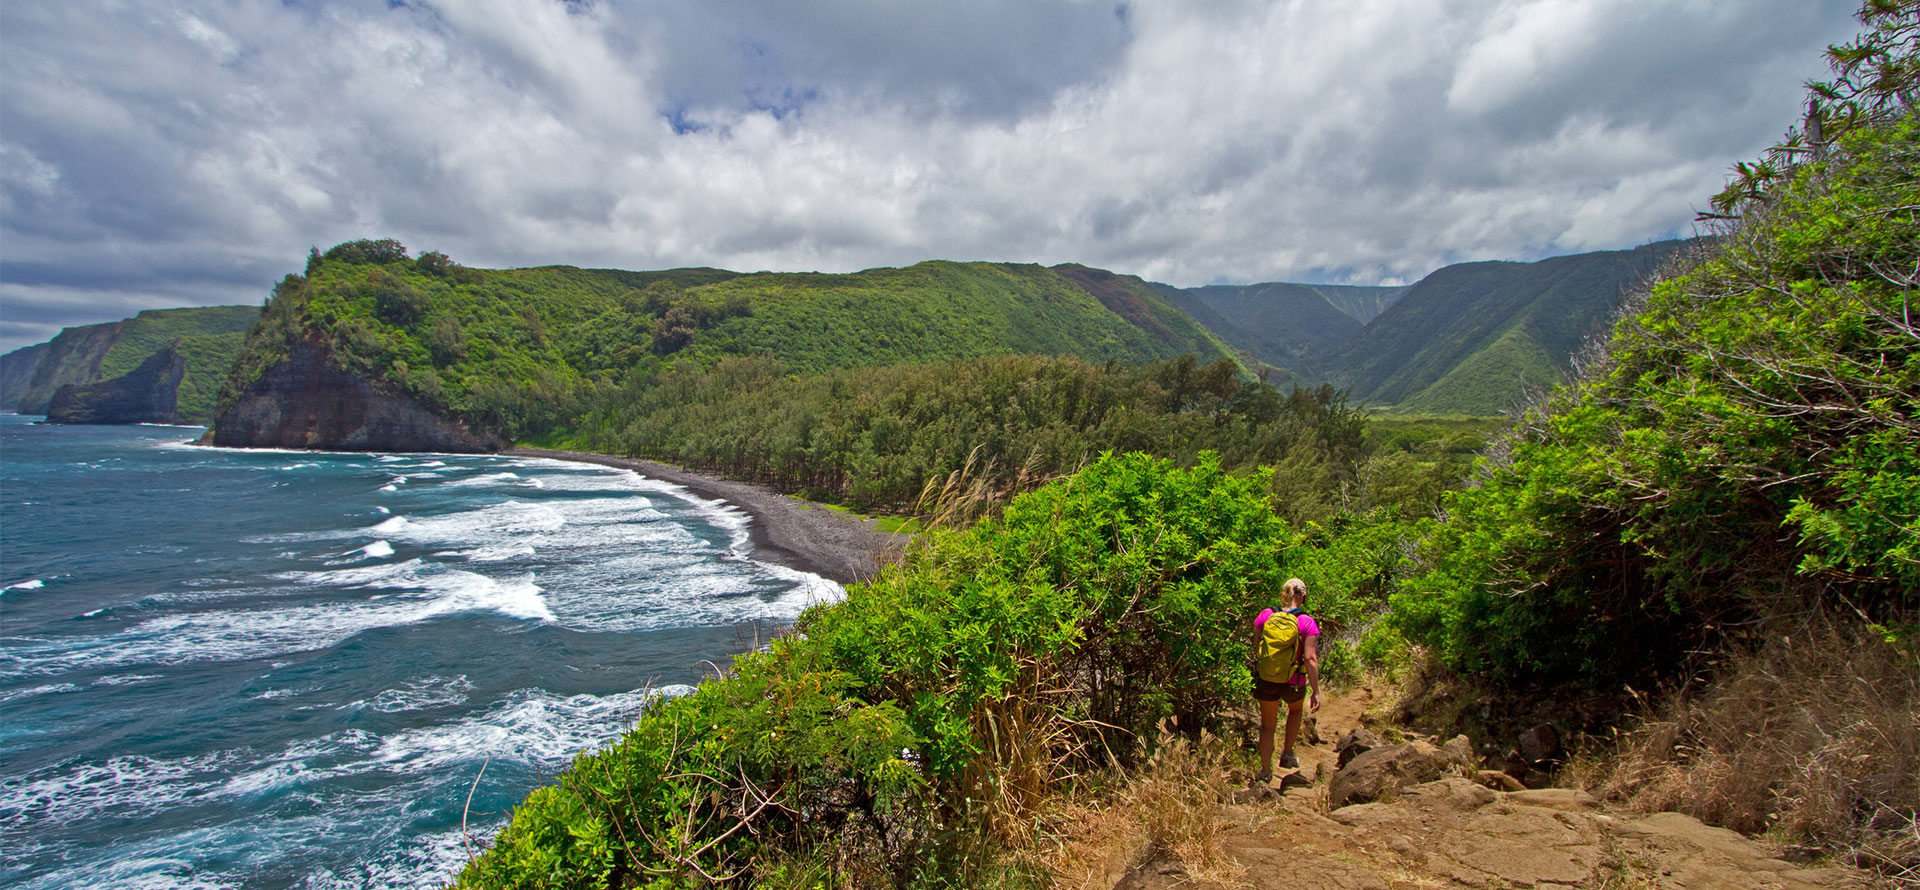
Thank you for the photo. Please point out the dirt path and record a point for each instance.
(1455, 833)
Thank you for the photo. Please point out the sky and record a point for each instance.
(190, 152)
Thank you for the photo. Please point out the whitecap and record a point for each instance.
(377, 550)
(48, 689)
(388, 488)
(499, 553)
(432, 692)
(34, 584)
(216, 635)
(531, 725)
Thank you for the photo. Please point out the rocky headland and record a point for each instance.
(147, 394)
(308, 401)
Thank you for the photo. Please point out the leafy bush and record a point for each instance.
(1746, 450)
(903, 735)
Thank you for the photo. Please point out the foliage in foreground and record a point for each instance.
(907, 736)
(1748, 450)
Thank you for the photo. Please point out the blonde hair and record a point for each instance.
(1294, 589)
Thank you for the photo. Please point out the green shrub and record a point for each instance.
(1746, 450)
(901, 737)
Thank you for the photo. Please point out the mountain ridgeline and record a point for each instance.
(206, 340)
(472, 359)
(479, 358)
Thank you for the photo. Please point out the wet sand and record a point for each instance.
(786, 530)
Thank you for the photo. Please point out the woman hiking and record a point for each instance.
(1288, 670)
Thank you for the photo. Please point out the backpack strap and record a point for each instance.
(1299, 641)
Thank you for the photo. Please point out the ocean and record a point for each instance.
(268, 669)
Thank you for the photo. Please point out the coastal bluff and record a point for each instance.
(308, 401)
(147, 394)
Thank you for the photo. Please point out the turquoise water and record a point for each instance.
(224, 668)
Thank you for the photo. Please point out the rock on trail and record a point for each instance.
(1427, 825)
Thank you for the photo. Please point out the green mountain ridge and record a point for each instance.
(208, 337)
(520, 352)
(1471, 338)
(1287, 325)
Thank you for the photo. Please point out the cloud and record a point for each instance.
(191, 152)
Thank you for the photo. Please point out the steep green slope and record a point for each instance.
(519, 352)
(1363, 303)
(1290, 325)
(209, 337)
(937, 311)
(72, 356)
(16, 373)
(1533, 316)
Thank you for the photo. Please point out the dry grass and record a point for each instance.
(1169, 807)
(1815, 738)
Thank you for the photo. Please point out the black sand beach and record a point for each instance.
(785, 530)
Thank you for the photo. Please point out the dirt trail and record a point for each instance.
(1455, 833)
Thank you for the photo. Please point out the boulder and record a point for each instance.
(1498, 781)
(1460, 749)
(1384, 771)
(1354, 744)
(1540, 746)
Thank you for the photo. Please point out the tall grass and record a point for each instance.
(1814, 738)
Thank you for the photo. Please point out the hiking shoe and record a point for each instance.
(1288, 761)
(1260, 779)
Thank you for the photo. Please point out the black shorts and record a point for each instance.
(1286, 692)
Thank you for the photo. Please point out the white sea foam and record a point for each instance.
(530, 725)
(95, 613)
(227, 635)
(499, 552)
(124, 679)
(389, 488)
(390, 526)
(432, 692)
(34, 584)
(126, 787)
(377, 550)
(50, 688)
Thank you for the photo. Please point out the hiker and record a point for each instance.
(1288, 670)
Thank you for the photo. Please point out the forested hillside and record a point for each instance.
(209, 338)
(1293, 326)
(1471, 338)
(528, 352)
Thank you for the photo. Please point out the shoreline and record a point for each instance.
(825, 542)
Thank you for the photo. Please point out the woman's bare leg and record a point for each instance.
(1294, 711)
(1269, 715)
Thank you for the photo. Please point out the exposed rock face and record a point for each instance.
(1355, 743)
(147, 394)
(16, 372)
(1384, 771)
(71, 357)
(308, 401)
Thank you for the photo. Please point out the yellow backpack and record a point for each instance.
(1281, 651)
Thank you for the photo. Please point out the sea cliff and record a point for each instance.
(147, 394)
(308, 401)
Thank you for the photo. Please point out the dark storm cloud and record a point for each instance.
(191, 152)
